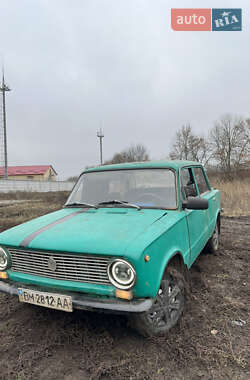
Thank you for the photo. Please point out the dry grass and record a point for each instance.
(235, 196)
(50, 196)
(13, 214)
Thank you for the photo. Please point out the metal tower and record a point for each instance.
(100, 135)
(1, 136)
(3, 133)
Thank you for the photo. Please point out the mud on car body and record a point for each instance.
(121, 243)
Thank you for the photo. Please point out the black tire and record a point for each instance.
(167, 308)
(212, 245)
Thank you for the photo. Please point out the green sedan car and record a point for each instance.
(123, 243)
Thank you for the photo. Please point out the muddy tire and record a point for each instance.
(213, 243)
(167, 308)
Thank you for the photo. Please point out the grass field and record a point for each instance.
(235, 196)
(28, 206)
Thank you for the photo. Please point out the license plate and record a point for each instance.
(50, 300)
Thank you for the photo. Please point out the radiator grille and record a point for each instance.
(71, 267)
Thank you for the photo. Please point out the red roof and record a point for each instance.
(26, 170)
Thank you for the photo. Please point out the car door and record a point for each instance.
(197, 220)
(205, 191)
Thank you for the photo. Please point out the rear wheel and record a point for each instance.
(167, 308)
(213, 243)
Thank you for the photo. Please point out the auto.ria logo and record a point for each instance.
(226, 19)
(206, 19)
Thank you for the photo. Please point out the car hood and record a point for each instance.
(105, 230)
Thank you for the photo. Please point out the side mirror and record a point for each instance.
(195, 203)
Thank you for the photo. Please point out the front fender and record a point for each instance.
(149, 273)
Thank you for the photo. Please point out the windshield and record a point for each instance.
(142, 187)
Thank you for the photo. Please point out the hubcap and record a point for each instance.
(167, 306)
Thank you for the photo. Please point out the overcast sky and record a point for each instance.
(74, 66)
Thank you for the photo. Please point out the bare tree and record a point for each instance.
(189, 146)
(133, 153)
(230, 140)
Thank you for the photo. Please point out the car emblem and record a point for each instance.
(52, 264)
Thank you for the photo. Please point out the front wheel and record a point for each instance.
(167, 308)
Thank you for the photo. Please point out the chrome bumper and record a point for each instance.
(83, 302)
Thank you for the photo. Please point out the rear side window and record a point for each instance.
(201, 180)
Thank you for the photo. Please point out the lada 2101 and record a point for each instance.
(121, 243)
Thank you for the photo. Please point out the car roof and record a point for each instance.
(172, 164)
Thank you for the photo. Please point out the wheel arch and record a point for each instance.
(174, 258)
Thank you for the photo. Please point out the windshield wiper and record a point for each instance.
(115, 201)
(79, 204)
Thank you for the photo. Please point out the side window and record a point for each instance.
(188, 188)
(201, 181)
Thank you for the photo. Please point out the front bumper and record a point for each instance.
(84, 302)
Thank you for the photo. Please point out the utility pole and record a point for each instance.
(100, 135)
(3, 89)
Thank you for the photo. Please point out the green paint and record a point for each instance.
(44, 282)
(16, 235)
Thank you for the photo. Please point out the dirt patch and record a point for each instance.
(37, 343)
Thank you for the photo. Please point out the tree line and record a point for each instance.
(225, 147)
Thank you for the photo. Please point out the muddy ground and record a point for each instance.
(212, 340)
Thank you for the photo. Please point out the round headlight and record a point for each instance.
(3, 259)
(121, 274)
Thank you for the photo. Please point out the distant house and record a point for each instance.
(32, 172)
